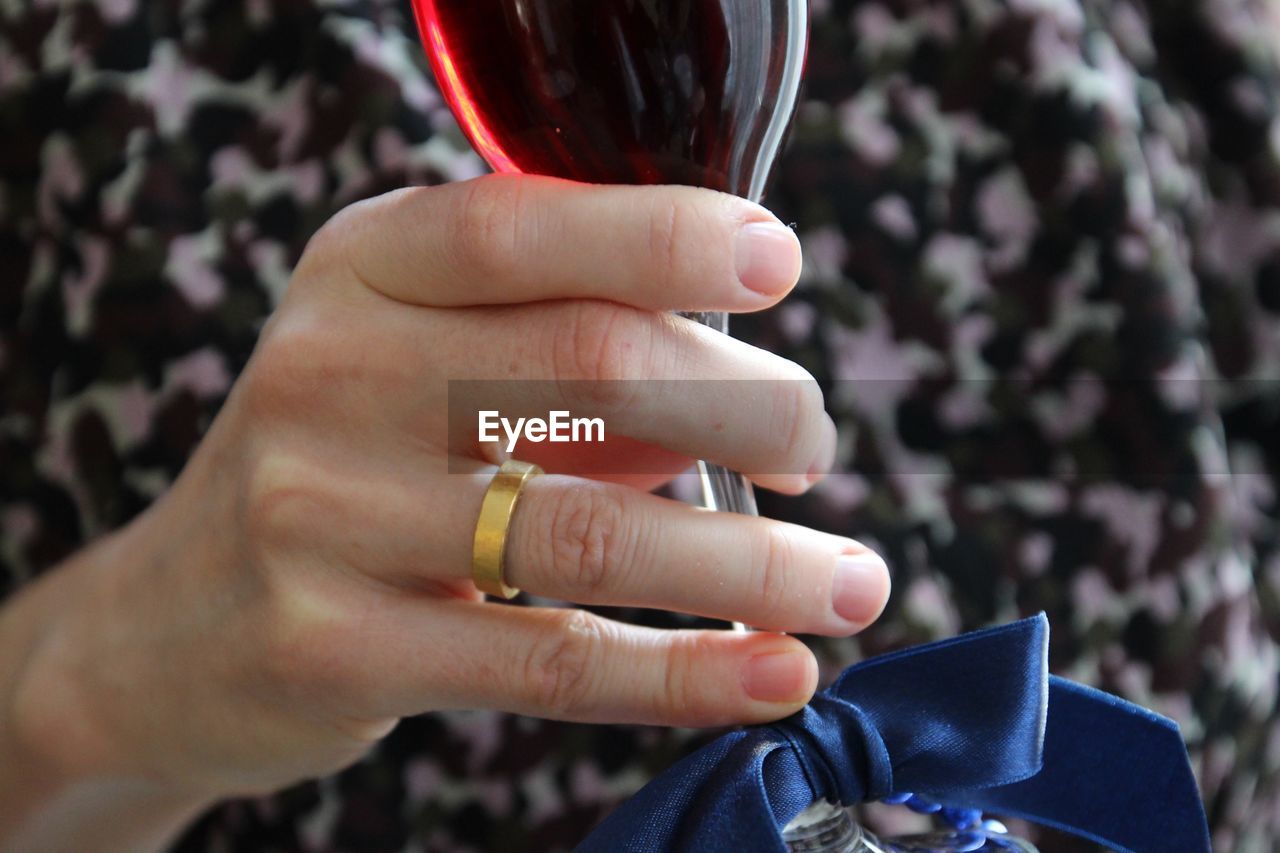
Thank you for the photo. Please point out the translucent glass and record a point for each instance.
(826, 828)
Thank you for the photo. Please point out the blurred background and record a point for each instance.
(1042, 292)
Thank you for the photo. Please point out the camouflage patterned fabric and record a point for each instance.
(1042, 288)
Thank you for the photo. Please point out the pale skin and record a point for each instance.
(305, 584)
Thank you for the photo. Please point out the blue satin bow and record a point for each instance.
(972, 722)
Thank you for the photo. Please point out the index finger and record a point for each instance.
(507, 239)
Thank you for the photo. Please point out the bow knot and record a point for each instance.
(840, 750)
(972, 722)
(966, 713)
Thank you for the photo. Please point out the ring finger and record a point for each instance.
(598, 543)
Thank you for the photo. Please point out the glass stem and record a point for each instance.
(723, 490)
(728, 491)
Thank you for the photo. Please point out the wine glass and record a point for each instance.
(694, 92)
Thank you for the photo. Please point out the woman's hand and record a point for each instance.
(306, 583)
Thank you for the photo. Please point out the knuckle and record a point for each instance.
(345, 245)
(330, 242)
(680, 697)
(559, 667)
(773, 564)
(796, 415)
(486, 227)
(334, 252)
(589, 542)
(306, 638)
(46, 716)
(282, 497)
(288, 366)
(311, 358)
(682, 225)
(604, 345)
(667, 236)
(305, 623)
(603, 350)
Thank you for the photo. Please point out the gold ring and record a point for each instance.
(489, 554)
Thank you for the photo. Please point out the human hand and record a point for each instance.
(306, 583)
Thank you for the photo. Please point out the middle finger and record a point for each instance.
(604, 544)
(659, 379)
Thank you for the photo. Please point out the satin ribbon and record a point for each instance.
(971, 722)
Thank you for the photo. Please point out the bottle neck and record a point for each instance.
(828, 828)
(825, 828)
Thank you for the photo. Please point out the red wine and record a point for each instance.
(696, 92)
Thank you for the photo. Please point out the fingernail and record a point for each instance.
(780, 677)
(768, 258)
(859, 587)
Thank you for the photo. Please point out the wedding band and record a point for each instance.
(489, 553)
